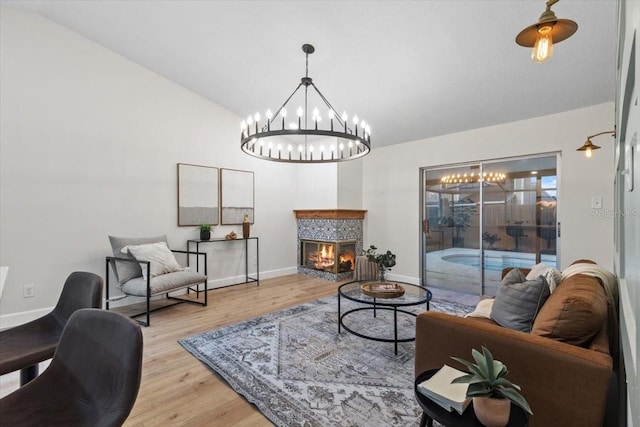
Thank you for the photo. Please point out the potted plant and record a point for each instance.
(205, 231)
(462, 210)
(384, 260)
(490, 239)
(490, 390)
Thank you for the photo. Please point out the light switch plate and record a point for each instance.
(596, 203)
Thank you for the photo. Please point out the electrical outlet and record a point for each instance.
(28, 291)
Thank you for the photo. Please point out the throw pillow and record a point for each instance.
(513, 276)
(574, 313)
(126, 271)
(552, 276)
(517, 303)
(159, 256)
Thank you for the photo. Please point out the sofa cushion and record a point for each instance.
(163, 283)
(128, 270)
(518, 301)
(574, 313)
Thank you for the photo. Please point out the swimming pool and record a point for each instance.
(497, 262)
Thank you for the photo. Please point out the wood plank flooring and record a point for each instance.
(176, 388)
(179, 390)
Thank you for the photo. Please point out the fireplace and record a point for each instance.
(328, 242)
(333, 257)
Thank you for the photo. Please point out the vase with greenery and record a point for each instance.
(490, 390)
(205, 231)
(384, 260)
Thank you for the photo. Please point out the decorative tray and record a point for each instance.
(382, 290)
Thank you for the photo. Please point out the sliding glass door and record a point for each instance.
(481, 217)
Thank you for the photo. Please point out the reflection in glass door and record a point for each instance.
(479, 218)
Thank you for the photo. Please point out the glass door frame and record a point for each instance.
(423, 214)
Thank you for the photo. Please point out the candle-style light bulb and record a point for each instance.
(330, 114)
(283, 113)
(289, 147)
(355, 120)
(345, 117)
(243, 125)
(341, 146)
(269, 114)
(249, 120)
(257, 117)
(543, 47)
(316, 112)
(300, 111)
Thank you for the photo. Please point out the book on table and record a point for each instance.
(439, 389)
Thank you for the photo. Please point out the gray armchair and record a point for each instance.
(132, 282)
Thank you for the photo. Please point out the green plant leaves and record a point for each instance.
(487, 378)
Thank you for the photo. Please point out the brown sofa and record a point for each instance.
(564, 365)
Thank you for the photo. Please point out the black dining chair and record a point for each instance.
(93, 379)
(24, 346)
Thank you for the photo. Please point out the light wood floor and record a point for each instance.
(176, 388)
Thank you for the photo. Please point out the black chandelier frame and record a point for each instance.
(358, 139)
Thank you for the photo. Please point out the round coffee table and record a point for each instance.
(433, 411)
(413, 295)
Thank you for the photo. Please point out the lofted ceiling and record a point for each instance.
(412, 69)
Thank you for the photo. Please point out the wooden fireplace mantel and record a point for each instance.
(329, 213)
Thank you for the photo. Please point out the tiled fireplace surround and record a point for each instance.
(329, 225)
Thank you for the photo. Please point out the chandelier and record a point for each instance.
(463, 178)
(307, 138)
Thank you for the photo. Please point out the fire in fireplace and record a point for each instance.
(333, 257)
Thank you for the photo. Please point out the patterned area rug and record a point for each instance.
(296, 368)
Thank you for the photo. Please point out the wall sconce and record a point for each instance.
(543, 34)
(589, 146)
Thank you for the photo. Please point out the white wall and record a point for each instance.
(89, 143)
(391, 198)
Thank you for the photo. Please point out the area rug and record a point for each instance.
(299, 371)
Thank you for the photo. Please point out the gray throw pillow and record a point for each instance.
(128, 270)
(513, 276)
(518, 301)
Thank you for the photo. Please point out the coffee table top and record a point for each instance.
(413, 294)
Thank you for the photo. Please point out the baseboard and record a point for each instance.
(229, 281)
(15, 319)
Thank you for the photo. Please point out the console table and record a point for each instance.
(247, 277)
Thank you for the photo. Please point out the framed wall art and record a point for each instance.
(198, 195)
(237, 196)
